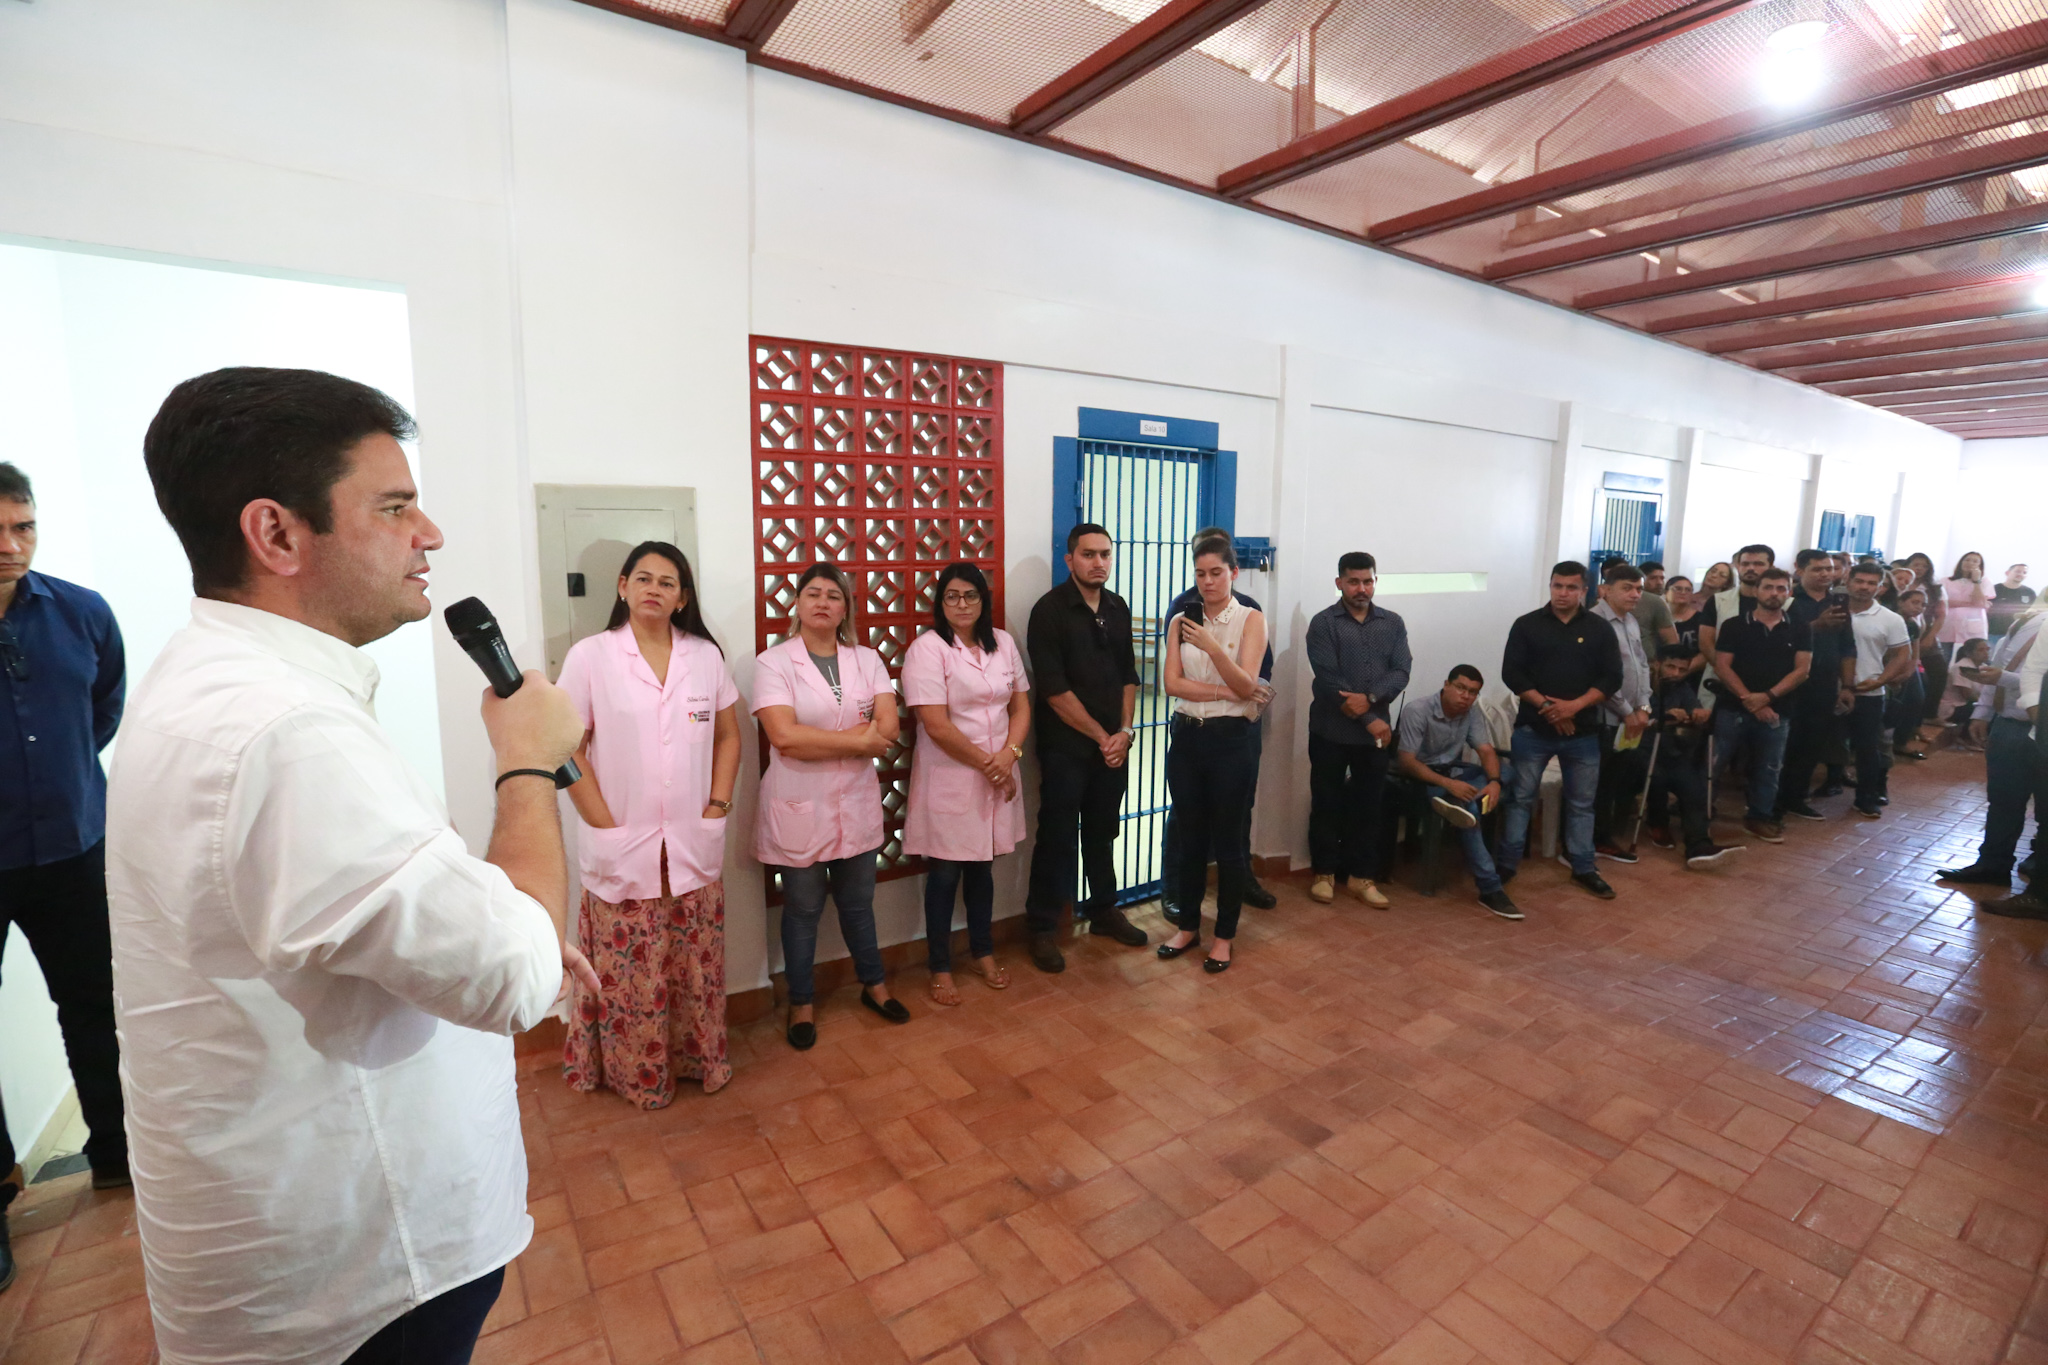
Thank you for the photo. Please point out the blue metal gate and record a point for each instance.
(1152, 482)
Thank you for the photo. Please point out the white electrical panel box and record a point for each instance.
(586, 531)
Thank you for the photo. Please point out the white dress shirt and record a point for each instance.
(315, 983)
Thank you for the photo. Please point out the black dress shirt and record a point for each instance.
(1828, 645)
(1085, 652)
(1562, 659)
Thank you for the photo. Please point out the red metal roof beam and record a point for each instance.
(1792, 337)
(1792, 305)
(1565, 50)
(1927, 362)
(1915, 78)
(1914, 177)
(754, 22)
(1954, 379)
(1146, 45)
(1958, 232)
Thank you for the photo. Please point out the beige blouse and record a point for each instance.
(1197, 666)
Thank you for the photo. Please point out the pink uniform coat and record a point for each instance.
(650, 743)
(818, 810)
(954, 813)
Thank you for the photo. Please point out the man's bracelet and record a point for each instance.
(525, 772)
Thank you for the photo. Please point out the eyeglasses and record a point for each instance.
(962, 599)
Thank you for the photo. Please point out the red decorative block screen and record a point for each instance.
(890, 465)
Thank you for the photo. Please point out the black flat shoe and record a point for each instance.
(891, 1009)
(1168, 953)
(1973, 875)
(803, 1037)
(1214, 965)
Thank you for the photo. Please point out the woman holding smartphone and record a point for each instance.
(661, 751)
(1212, 673)
(964, 681)
(829, 711)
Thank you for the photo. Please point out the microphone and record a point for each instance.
(476, 630)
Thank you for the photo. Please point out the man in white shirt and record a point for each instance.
(315, 982)
(2015, 765)
(1883, 656)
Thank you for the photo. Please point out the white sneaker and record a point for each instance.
(1367, 892)
(1455, 815)
(1323, 890)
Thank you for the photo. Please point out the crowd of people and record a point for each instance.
(292, 914)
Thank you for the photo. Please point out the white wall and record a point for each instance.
(89, 344)
(2001, 508)
(588, 215)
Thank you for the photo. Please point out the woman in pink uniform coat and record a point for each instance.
(660, 754)
(964, 680)
(829, 711)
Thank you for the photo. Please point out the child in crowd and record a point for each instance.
(1681, 728)
(1959, 698)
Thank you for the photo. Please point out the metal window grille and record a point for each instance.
(888, 464)
(1832, 528)
(1626, 525)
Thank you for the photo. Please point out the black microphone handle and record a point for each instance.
(505, 678)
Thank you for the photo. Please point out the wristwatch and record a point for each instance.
(1018, 750)
(725, 806)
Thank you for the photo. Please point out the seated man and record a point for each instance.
(1434, 734)
(1680, 746)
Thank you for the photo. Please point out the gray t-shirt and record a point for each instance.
(828, 664)
(1653, 614)
(1436, 739)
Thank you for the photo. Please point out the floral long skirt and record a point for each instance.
(661, 1016)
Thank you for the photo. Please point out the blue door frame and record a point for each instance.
(1153, 481)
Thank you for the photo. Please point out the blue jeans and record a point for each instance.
(852, 883)
(942, 878)
(1736, 729)
(1474, 839)
(1578, 757)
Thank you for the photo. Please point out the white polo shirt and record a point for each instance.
(1878, 631)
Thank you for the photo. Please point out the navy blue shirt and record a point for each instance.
(56, 719)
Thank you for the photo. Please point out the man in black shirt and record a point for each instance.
(1815, 728)
(1560, 660)
(1085, 680)
(1188, 604)
(1760, 660)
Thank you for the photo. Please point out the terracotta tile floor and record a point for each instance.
(1794, 1111)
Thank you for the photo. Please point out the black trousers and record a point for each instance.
(2015, 773)
(1078, 794)
(441, 1331)
(1209, 769)
(1621, 781)
(62, 910)
(1169, 842)
(1814, 724)
(1867, 744)
(1683, 776)
(1347, 786)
